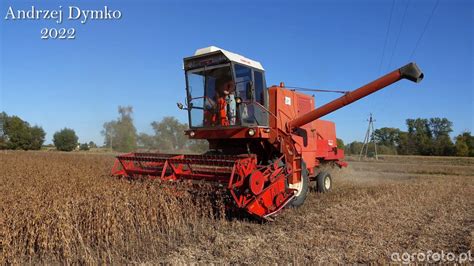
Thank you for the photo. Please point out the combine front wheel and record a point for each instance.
(302, 188)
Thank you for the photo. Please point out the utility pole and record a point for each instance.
(369, 138)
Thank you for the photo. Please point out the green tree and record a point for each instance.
(354, 147)
(18, 133)
(387, 136)
(84, 147)
(169, 134)
(198, 145)
(169, 137)
(469, 142)
(65, 140)
(383, 149)
(147, 141)
(3, 136)
(121, 134)
(420, 135)
(92, 145)
(37, 136)
(461, 147)
(110, 133)
(442, 143)
(443, 146)
(406, 145)
(340, 143)
(440, 126)
(464, 144)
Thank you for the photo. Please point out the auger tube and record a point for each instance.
(409, 71)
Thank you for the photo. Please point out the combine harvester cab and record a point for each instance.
(266, 144)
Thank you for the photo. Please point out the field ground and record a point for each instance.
(65, 207)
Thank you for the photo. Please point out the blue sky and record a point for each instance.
(137, 60)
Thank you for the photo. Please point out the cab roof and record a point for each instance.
(231, 56)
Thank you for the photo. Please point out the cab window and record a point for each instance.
(243, 76)
(259, 87)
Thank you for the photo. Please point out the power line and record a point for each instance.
(398, 36)
(424, 29)
(399, 32)
(386, 36)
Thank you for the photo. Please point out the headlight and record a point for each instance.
(251, 132)
(191, 134)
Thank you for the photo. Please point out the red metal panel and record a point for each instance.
(228, 133)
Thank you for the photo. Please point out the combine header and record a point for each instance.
(266, 144)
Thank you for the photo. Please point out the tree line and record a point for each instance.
(423, 137)
(17, 134)
(168, 135)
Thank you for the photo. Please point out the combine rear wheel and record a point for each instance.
(323, 182)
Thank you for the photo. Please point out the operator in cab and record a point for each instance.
(222, 109)
(231, 105)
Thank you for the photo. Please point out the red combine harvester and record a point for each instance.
(266, 144)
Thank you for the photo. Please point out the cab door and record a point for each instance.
(251, 88)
